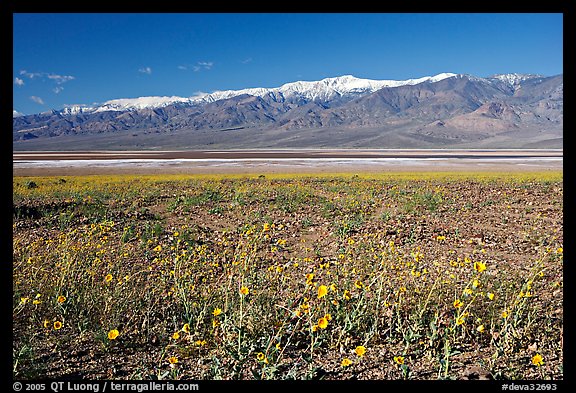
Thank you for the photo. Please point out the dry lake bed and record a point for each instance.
(53, 163)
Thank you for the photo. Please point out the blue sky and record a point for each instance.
(65, 59)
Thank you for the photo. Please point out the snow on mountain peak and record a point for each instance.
(15, 113)
(439, 77)
(140, 103)
(75, 109)
(514, 78)
(344, 85)
(225, 94)
(325, 89)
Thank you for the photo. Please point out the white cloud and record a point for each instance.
(59, 79)
(203, 65)
(246, 61)
(18, 82)
(182, 67)
(31, 75)
(145, 70)
(37, 100)
(57, 89)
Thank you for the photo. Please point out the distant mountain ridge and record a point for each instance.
(508, 110)
(324, 89)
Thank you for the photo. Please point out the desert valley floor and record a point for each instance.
(52, 163)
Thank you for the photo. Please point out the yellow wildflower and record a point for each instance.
(479, 267)
(61, 299)
(57, 325)
(186, 328)
(322, 291)
(217, 311)
(244, 291)
(360, 350)
(346, 362)
(458, 303)
(399, 359)
(346, 294)
(538, 360)
(112, 334)
(261, 357)
(322, 323)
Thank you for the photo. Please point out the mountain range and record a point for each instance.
(443, 111)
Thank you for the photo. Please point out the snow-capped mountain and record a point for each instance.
(15, 113)
(76, 109)
(514, 79)
(124, 104)
(442, 110)
(324, 90)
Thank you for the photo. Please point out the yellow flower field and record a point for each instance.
(335, 276)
